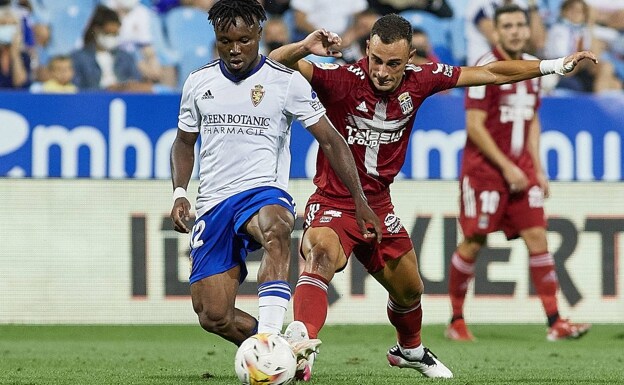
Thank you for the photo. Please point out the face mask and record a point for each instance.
(108, 42)
(127, 4)
(7, 32)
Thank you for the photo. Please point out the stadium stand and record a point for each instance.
(67, 20)
(192, 37)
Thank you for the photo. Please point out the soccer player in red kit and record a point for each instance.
(373, 104)
(502, 182)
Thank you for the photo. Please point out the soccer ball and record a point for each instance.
(265, 359)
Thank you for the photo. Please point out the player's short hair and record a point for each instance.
(391, 28)
(509, 8)
(223, 13)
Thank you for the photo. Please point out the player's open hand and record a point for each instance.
(572, 61)
(180, 214)
(323, 43)
(368, 222)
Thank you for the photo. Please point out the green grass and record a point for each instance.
(504, 354)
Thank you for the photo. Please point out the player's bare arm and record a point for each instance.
(182, 161)
(533, 143)
(479, 135)
(511, 71)
(319, 42)
(341, 159)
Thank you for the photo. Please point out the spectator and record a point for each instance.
(438, 8)
(14, 60)
(610, 70)
(135, 37)
(100, 64)
(421, 52)
(61, 71)
(275, 34)
(164, 6)
(334, 15)
(569, 34)
(276, 7)
(480, 36)
(201, 4)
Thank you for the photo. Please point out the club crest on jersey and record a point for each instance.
(405, 101)
(257, 93)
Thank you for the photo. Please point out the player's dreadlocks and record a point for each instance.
(223, 13)
(391, 28)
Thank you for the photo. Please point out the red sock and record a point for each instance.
(544, 277)
(462, 271)
(310, 302)
(407, 322)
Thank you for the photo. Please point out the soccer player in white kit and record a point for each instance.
(242, 105)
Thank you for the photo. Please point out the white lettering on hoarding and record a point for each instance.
(447, 145)
(121, 138)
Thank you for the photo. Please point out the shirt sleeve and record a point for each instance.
(188, 117)
(330, 81)
(478, 97)
(302, 102)
(436, 77)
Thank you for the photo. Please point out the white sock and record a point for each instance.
(273, 298)
(413, 354)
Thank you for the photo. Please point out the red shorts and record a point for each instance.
(485, 210)
(339, 215)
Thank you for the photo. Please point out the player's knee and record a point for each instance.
(215, 323)
(411, 295)
(323, 257)
(535, 239)
(470, 247)
(277, 235)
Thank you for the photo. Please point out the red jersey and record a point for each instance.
(510, 109)
(376, 125)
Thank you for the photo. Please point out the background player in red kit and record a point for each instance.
(373, 104)
(502, 182)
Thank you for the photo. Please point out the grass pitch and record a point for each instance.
(504, 354)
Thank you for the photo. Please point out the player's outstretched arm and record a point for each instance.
(182, 161)
(341, 159)
(319, 42)
(510, 71)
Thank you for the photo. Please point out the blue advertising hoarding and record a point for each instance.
(129, 136)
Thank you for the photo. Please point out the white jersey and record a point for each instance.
(244, 126)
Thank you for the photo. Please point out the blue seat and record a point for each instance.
(437, 29)
(191, 35)
(166, 55)
(67, 25)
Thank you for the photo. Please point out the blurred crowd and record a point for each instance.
(67, 46)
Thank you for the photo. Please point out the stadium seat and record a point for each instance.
(67, 24)
(191, 35)
(457, 33)
(166, 55)
(437, 29)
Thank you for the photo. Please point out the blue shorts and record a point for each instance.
(219, 241)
